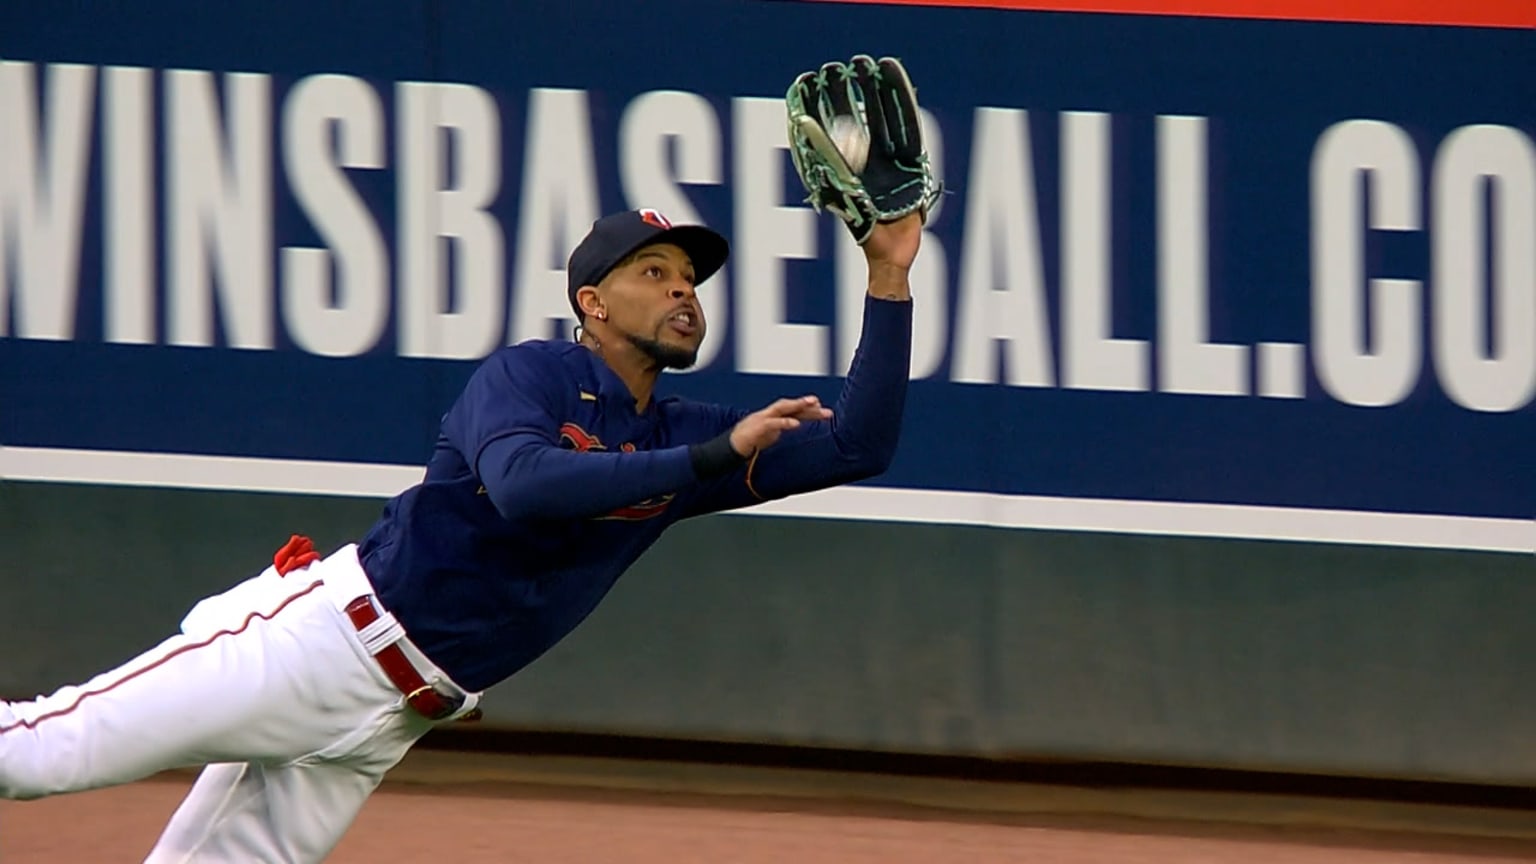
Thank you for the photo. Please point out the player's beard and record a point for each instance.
(663, 355)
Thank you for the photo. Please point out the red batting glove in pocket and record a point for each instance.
(298, 553)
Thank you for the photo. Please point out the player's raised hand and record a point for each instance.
(895, 243)
(762, 429)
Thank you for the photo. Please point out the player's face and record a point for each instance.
(651, 301)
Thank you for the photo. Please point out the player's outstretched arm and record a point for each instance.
(798, 445)
(864, 438)
(856, 137)
(889, 252)
(859, 440)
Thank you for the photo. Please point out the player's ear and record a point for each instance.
(591, 304)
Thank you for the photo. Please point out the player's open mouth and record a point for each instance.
(684, 322)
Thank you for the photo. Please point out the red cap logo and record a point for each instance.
(654, 217)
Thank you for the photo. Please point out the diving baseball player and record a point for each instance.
(554, 470)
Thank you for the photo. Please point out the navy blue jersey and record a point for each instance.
(547, 483)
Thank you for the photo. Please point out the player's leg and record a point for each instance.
(251, 812)
(173, 705)
(293, 813)
(269, 674)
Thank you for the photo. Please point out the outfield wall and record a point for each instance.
(1262, 655)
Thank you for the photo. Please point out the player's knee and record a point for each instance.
(15, 787)
(22, 785)
(19, 793)
(25, 776)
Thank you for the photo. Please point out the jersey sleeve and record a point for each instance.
(858, 442)
(507, 425)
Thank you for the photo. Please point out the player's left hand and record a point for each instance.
(856, 138)
(895, 244)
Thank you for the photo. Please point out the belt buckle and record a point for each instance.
(449, 702)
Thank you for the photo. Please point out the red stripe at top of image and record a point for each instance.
(1454, 13)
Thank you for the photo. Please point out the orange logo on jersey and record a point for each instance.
(580, 439)
(574, 437)
(648, 509)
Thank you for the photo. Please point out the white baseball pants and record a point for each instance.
(269, 685)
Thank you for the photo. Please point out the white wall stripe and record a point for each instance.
(849, 502)
(1165, 517)
(184, 471)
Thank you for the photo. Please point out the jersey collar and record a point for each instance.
(611, 388)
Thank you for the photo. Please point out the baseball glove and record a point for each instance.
(857, 142)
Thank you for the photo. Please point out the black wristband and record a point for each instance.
(715, 457)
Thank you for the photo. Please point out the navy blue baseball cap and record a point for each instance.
(615, 237)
